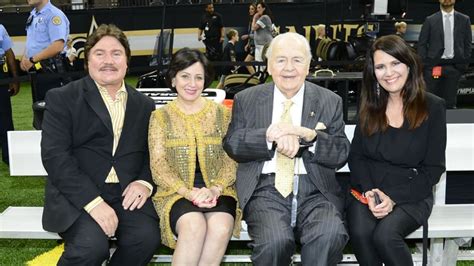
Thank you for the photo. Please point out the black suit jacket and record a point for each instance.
(431, 40)
(76, 149)
(387, 160)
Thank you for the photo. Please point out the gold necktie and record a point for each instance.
(285, 167)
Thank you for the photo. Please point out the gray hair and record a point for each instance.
(294, 37)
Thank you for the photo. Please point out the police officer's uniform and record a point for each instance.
(6, 121)
(42, 29)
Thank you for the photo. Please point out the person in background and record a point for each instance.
(320, 35)
(7, 60)
(445, 50)
(397, 154)
(290, 195)
(71, 53)
(262, 26)
(94, 148)
(196, 199)
(400, 28)
(229, 56)
(321, 31)
(211, 32)
(249, 37)
(47, 30)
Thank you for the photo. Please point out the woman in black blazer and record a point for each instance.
(397, 154)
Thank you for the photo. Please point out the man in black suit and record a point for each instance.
(288, 200)
(445, 40)
(94, 148)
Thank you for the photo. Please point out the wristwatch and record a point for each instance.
(32, 61)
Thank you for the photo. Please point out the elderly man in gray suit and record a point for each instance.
(288, 138)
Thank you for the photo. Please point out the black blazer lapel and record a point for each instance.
(264, 108)
(458, 36)
(438, 24)
(93, 98)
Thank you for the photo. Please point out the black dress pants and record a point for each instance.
(319, 226)
(376, 241)
(445, 86)
(6, 121)
(138, 236)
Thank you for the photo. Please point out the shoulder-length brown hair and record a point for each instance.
(184, 58)
(372, 116)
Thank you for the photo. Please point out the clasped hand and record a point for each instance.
(203, 197)
(287, 137)
(384, 208)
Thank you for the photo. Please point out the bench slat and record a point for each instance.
(446, 221)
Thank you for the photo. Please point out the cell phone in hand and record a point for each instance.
(377, 199)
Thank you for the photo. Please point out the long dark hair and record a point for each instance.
(372, 116)
(251, 16)
(267, 10)
(185, 58)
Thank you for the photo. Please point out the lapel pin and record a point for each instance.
(311, 114)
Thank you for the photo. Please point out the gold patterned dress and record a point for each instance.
(176, 140)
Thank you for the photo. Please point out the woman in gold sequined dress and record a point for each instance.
(196, 198)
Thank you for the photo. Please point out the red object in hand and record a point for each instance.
(437, 71)
(358, 196)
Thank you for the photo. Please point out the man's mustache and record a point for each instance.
(108, 67)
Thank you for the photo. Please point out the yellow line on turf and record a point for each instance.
(48, 258)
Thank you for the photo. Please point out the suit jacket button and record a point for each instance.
(410, 177)
(112, 161)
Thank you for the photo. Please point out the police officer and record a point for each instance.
(47, 30)
(7, 61)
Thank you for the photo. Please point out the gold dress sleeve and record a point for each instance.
(164, 177)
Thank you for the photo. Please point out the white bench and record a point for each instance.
(446, 233)
(453, 223)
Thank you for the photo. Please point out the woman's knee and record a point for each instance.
(221, 228)
(193, 224)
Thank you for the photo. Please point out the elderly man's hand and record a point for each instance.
(278, 130)
(135, 196)
(288, 145)
(105, 216)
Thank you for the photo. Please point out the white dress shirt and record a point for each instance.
(296, 112)
(449, 54)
